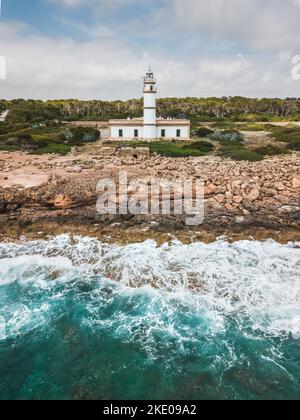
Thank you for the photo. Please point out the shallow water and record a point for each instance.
(83, 320)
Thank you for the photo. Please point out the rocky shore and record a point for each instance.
(61, 192)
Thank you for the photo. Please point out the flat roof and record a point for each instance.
(140, 122)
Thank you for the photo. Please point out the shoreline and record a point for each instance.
(117, 233)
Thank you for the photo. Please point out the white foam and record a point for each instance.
(248, 279)
(291, 326)
(32, 268)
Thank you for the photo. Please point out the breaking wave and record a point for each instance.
(202, 320)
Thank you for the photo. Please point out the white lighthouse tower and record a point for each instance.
(150, 90)
(148, 128)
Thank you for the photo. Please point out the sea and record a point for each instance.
(81, 319)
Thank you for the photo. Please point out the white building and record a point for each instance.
(149, 127)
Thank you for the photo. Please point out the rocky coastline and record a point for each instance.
(58, 194)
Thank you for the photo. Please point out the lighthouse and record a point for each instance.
(150, 90)
(148, 128)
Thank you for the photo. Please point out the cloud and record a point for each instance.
(183, 46)
(268, 24)
(39, 67)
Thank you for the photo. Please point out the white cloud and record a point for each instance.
(267, 24)
(64, 68)
(109, 67)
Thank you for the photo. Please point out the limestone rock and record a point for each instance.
(62, 202)
(296, 182)
(74, 169)
(250, 192)
(220, 198)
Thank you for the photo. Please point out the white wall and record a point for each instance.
(128, 133)
(150, 116)
(149, 132)
(171, 132)
(149, 100)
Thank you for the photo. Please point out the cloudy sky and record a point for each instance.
(100, 49)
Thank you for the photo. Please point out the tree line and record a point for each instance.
(196, 109)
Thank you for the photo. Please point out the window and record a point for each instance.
(120, 133)
(136, 133)
(163, 133)
(178, 133)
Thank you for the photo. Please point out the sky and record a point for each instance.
(100, 49)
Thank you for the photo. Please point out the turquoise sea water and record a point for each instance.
(84, 320)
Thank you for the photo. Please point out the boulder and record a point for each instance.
(296, 182)
(220, 198)
(238, 199)
(251, 192)
(126, 152)
(62, 201)
(141, 152)
(74, 169)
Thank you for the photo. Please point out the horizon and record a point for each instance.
(158, 98)
(100, 49)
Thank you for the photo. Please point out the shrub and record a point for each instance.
(203, 146)
(203, 132)
(86, 135)
(79, 135)
(287, 135)
(270, 150)
(57, 148)
(228, 136)
(294, 145)
(24, 137)
(240, 153)
(169, 149)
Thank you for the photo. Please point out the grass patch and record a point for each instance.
(291, 136)
(57, 148)
(286, 135)
(202, 146)
(251, 127)
(173, 149)
(294, 145)
(224, 125)
(271, 150)
(238, 152)
(52, 139)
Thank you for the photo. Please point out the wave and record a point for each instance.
(248, 280)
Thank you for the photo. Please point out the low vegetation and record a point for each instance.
(43, 139)
(270, 150)
(239, 152)
(286, 134)
(202, 132)
(227, 136)
(202, 146)
(41, 126)
(174, 149)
